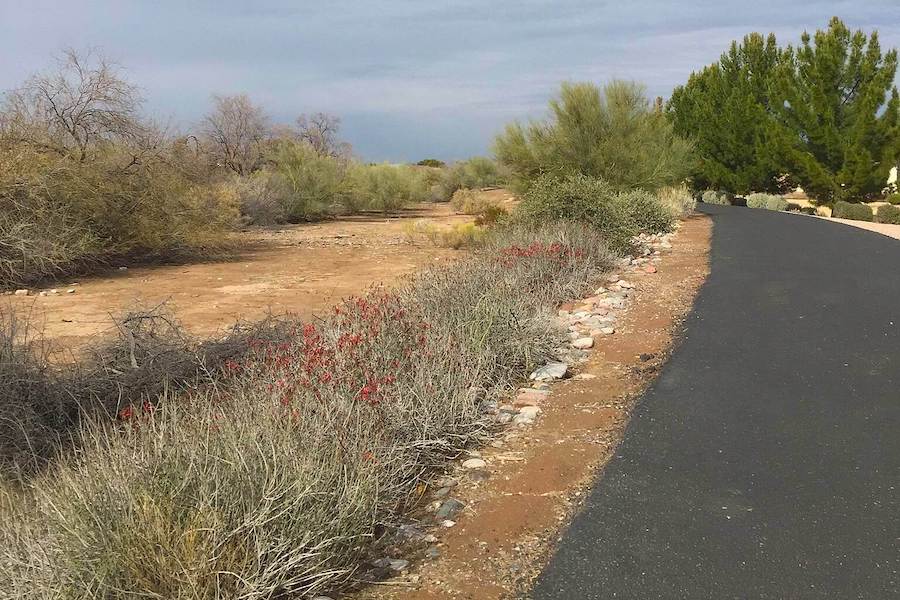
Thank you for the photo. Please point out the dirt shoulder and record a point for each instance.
(301, 269)
(534, 477)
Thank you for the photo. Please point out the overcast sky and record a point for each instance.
(410, 78)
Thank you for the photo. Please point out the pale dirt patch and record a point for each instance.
(538, 475)
(299, 269)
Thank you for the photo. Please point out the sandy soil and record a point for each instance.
(536, 477)
(300, 269)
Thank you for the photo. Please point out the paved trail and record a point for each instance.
(765, 460)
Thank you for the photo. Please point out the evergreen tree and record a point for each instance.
(724, 109)
(835, 113)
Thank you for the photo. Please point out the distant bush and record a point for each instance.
(716, 197)
(678, 199)
(431, 162)
(263, 198)
(767, 201)
(793, 207)
(848, 210)
(460, 235)
(888, 213)
(475, 173)
(611, 133)
(893, 198)
(617, 215)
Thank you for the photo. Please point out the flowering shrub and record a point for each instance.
(277, 477)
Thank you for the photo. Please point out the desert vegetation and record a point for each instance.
(278, 459)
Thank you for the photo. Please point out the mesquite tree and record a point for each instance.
(835, 117)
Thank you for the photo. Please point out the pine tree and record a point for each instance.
(724, 109)
(835, 113)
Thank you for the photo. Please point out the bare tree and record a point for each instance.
(320, 130)
(70, 112)
(236, 132)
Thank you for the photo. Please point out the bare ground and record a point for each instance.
(535, 478)
(301, 269)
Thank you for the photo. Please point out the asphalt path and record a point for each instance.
(764, 462)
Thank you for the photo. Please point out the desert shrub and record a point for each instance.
(387, 187)
(611, 133)
(848, 210)
(678, 199)
(431, 162)
(279, 480)
(767, 201)
(475, 173)
(314, 185)
(60, 216)
(485, 209)
(888, 213)
(716, 197)
(262, 198)
(619, 216)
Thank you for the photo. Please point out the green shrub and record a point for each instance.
(611, 133)
(888, 213)
(767, 201)
(280, 479)
(716, 197)
(617, 215)
(893, 198)
(431, 162)
(312, 185)
(475, 173)
(857, 212)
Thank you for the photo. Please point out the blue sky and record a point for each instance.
(410, 78)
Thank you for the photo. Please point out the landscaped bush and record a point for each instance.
(767, 201)
(888, 213)
(857, 212)
(893, 199)
(619, 216)
(716, 197)
(678, 199)
(280, 479)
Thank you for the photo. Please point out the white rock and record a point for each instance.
(608, 330)
(22, 292)
(556, 370)
(448, 523)
(583, 343)
(474, 463)
(70, 291)
(530, 411)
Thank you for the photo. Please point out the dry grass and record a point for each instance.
(280, 475)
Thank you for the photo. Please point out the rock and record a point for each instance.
(612, 277)
(42, 294)
(394, 564)
(530, 397)
(627, 285)
(449, 509)
(608, 330)
(474, 463)
(440, 493)
(585, 376)
(123, 268)
(527, 415)
(646, 357)
(504, 418)
(430, 538)
(583, 343)
(70, 291)
(448, 523)
(22, 293)
(649, 269)
(550, 371)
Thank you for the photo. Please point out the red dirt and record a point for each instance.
(537, 475)
(300, 269)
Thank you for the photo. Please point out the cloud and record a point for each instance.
(408, 77)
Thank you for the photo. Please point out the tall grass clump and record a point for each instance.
(678, 199)
(611, 133)
(285, 473)
(618, 215)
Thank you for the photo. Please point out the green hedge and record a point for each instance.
(856, 212)
(888, 214)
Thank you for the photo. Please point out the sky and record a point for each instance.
(410, 79)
